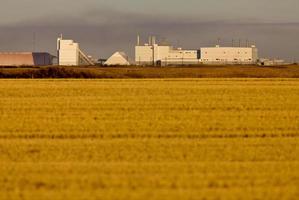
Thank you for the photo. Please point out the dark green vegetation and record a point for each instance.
(202, 71)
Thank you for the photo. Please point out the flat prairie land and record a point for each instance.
(176, 139)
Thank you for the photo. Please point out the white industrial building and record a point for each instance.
(152, 53)
(118, 58)
(229, 55)
(272, 62)
(70, 54)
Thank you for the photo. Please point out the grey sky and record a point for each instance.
(106, 26)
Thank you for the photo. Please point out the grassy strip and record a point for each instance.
(201, 71)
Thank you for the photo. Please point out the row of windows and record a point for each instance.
(179, 57)
(225, 60)
(185, 52)
(226, 52)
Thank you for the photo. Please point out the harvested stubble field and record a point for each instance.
(149, 139)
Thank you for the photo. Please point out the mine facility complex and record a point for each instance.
(152, 53)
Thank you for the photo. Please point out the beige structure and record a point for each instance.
(231, 55)
(25, 59)
(166, 55)
(70, 54)
(152, 54)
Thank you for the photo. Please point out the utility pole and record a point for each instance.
(34, 42)
(153, 55)
(153, 48)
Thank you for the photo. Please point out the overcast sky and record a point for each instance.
(102, 27)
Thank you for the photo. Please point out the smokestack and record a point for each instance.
(58, 42)
(138, 40)
(153, 40)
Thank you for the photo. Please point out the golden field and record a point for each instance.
(149, 139)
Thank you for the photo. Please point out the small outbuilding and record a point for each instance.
(118, 58)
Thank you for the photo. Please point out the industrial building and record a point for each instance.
(229, 55)
(152, 53)
(70, 54)
(118, 58)
(272, 62)
(25, 59)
